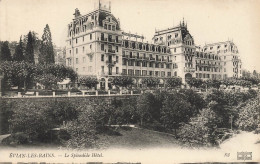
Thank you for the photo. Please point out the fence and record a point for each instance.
(83, 93)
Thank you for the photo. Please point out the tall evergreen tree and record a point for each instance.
(18, 55)
(5, 52)
(29, 51)
(46, 55)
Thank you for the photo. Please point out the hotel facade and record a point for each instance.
(96, 46)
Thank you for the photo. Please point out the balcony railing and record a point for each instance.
(110, 63)
(111, 51)
(187, 69)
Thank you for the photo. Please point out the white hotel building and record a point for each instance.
(96, 46)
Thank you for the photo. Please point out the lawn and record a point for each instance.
(137, 139)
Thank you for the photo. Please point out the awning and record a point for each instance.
(65, 81)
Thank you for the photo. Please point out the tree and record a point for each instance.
(19, 73)
(46, 55)
(145, 103)
(5, 52)
(194, 82)
(88, 81)
(212, 83)
(196, 101)
(151, 81)
(173, 82)
(29, 50)
(18, 55)
(48, 80)
(175, 110)
(122, 81)
(48, 75)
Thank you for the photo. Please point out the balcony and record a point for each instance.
(111, 40)
(110, 63)
(151, 58)
(111, 51)
(118, 41)
(187, 69)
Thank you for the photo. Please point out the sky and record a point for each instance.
(209, 21)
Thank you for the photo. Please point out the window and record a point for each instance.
(124, 72)
(76, 41)
(151, 73)
(89, 68)
(113, 28)
(70, 51)
(169, 74)
(77, 61)
(224, 69)
(76, 50)
(102, 47)
(90, 47)
(117, 70)
(70, 42)
(83, 38)
(117, 59)
(162, 65)
(90, 36)
(102, 57)
(116, 48)
(150, 64)
(156, 73)
(84, 59)
(109, 27)
(102, 69)
(124, 61)
(90, 58)
(144, 73)
(137, 72)
(174, 49)
(144, 64)
(83, 49)
(162, 73)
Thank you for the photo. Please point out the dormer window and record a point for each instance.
(176, 35)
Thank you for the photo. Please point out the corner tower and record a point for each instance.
(182, 48)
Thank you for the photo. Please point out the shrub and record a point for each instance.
(200, 131)
(62, 111)
(249, 116)
(82, 131)
(32, 119)
(16, 139)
